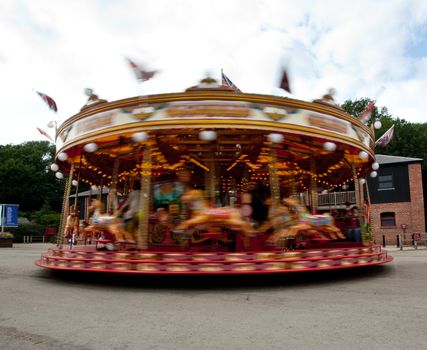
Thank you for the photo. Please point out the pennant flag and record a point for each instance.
(44, 133)
(49, 101)
(140, 72)
(227, 82)
(284, 83)
(386, 138)
(366, 114)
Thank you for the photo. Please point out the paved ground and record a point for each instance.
(371, 308)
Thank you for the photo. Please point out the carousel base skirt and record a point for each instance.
(87, 258)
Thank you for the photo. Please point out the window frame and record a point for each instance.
(388, 216)
(388, 182)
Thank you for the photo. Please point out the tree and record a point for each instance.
(25, 177)
(409, 140)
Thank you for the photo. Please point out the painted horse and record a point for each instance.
(104, 223)
(203, 215)
(292, 219)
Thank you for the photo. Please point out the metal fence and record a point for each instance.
(34, 239)
(413, 240)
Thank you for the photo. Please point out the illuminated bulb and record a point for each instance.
(275, 138)
(74, 183)
(375, 166)
(140, 136)
(329, 146)
(62, 156)
(93, 188)
(377, 124)
(207, 135)
(59, 175)
(362, 181)
(90, 147)
(363, 155)
(54, 167)
(373, 174)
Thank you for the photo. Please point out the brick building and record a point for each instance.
(397, 199)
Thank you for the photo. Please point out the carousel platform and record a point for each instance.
(131, 261)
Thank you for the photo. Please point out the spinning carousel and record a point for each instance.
(220, 183)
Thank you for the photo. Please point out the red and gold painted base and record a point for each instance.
(87, 258)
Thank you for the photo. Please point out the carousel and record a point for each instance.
(210, 181)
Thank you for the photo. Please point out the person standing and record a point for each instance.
(131, 207)
(354, 228)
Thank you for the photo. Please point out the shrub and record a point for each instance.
(5, 235)
(29, 229)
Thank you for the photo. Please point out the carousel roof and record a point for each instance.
(308, 138)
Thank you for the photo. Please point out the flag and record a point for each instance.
(49, 101)
(228, 82)
(140, 72)
(366, 114)
(386, 138)
(44, 133)
(284, 83)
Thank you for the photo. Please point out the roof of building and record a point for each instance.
(385, 159)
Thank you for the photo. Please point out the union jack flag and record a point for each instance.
(49, 101)
(386, 138)
(366, 114)
(227, 82)
(140, 72)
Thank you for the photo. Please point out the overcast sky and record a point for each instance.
(60, 47)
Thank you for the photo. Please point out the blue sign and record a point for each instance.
(9, 215)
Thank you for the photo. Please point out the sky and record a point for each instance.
(375, 49)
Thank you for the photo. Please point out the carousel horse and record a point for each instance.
(202, 214)
(104, 223)
(293, 219)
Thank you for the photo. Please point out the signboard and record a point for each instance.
(9, 215)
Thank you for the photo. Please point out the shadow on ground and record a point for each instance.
(217, 282)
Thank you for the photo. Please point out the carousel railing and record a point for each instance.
(333, 199)
(337, 198)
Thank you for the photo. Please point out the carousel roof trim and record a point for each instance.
(211, 94)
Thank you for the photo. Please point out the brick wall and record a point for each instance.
(409, 213)
(417, 197)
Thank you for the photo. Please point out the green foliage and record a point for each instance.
(30, 229)
(6, 235)
(366, 233)
(25, 178)
(46, 216)
(409, 140)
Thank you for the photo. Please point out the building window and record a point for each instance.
(385, 182)
(388, 219)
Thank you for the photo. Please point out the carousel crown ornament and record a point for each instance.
(92, 100)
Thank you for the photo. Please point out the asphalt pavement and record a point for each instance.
(381, 307)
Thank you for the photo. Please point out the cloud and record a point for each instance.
(62, 47)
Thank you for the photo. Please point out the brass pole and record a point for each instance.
(356, 188)
(274, 178)
(142, 233)
(313, 186)
(212, 182)
(65, 205)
